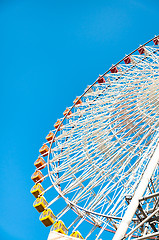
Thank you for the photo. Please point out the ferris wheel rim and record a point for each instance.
(48, 158)
(82, 95)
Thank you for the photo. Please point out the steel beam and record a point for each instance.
(121, 231)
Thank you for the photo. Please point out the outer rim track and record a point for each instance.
(73, 205)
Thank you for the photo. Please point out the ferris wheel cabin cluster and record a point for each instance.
(98, 152)
(40, 204)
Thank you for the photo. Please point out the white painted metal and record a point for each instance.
(58, 236)
(144, 221)
(103, 149)
(94, 154)
(148, 236)
(121, 231)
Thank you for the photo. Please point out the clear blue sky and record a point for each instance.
(50, 52)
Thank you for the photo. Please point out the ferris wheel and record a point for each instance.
(98, 169)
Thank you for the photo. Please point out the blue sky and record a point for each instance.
(50, 52)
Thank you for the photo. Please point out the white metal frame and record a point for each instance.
(103, 151)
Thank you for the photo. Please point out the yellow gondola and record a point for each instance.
(49, 137)
(37, 176)
(40, 163)
(44, 150)
(40, 204)
(37, 190)
(60, 227)
(76, 234)
(47, 217)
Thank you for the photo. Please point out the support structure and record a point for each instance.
(120, 233)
